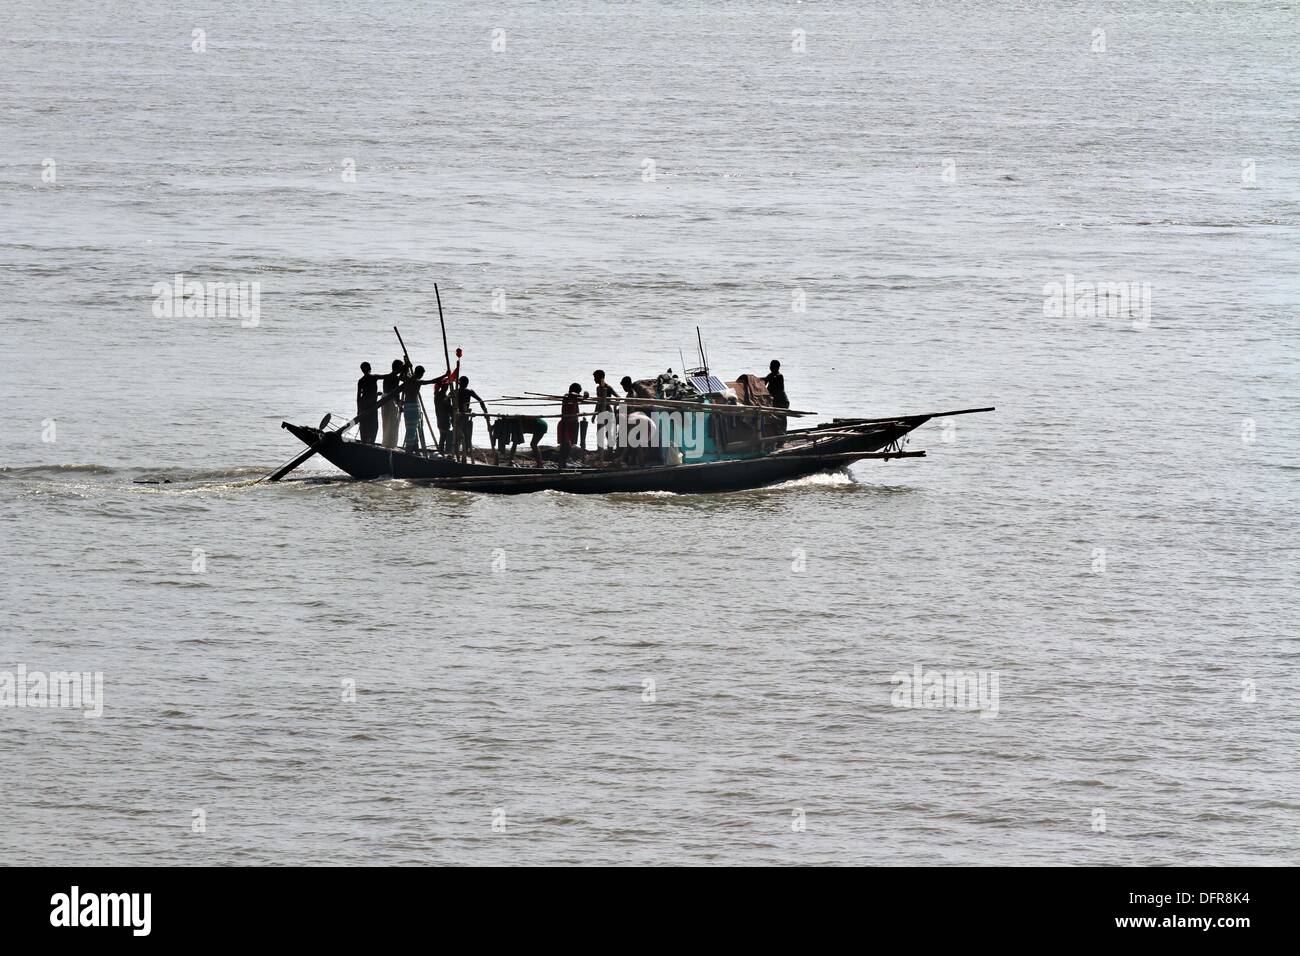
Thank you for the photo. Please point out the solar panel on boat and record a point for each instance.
(708, 384)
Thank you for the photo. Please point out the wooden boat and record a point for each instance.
(734, 444)
(791, 455)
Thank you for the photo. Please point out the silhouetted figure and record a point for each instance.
(442, 412)
(368, 403)
(632, 390)
(570, 412)
(776, 385)
(465, 420)
(603, 415)
(510, 430)
(392, 408)
(411, 404)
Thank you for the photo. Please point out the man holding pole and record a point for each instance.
(411, 404)
(465, 419)
(442, 411)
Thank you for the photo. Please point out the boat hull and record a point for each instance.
(703, 478)
(368, 461)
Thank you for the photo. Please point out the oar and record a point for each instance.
(299, 459)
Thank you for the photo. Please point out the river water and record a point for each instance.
(891, 198)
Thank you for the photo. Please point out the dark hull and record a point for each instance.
(367, 461)
(703, 478)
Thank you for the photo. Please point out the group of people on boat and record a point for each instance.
(394, 397)
(510, 430)
(399, 401)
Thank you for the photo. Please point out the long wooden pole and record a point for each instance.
(719, 408)
(455, 386)
(442, 322)
(899, 418)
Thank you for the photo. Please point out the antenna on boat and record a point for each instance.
(704, 359)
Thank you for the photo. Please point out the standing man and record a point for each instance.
(603, 415)
(569, 413)
(442, 412)
(391, 410)
(411, 404)
(776, 385)
(465, 420)
(368, 404)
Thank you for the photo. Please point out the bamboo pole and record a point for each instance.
(669, 403)
(899, 418)
(809, 435)
(455, 386)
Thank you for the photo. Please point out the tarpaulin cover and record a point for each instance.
(751, 390)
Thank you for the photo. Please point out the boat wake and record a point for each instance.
(80, 478)
(90, 475)
(841, 480)
(823, 479)
(55, 471)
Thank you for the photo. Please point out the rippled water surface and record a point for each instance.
(652, 678)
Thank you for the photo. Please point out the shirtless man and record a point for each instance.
(775, 382)
(570, 411)
(604, 392)
(442, 412)
(465, 419)
(411, 404)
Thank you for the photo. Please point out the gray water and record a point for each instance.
(1117, 542)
